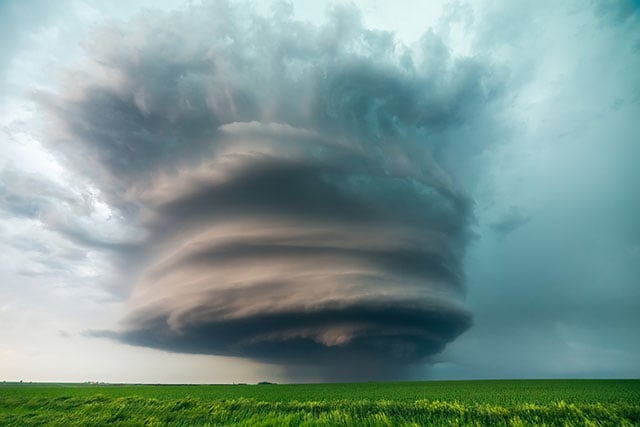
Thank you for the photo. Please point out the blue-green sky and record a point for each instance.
(231, 192)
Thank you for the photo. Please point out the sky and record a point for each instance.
(220, 192)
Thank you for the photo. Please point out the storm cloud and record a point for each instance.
(291, 184)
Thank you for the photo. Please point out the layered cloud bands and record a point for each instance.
(288, 181)
(288, 247)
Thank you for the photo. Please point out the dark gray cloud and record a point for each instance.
(291, 181)
(331, 335)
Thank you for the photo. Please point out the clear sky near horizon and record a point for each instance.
(225, 192)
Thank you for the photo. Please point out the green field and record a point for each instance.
(523, 402)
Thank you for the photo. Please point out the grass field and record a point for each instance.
(523, 402)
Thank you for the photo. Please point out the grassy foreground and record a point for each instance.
(526, 402)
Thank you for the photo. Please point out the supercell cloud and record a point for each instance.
(291, 185)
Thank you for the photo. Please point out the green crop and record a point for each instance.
(508, 403)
